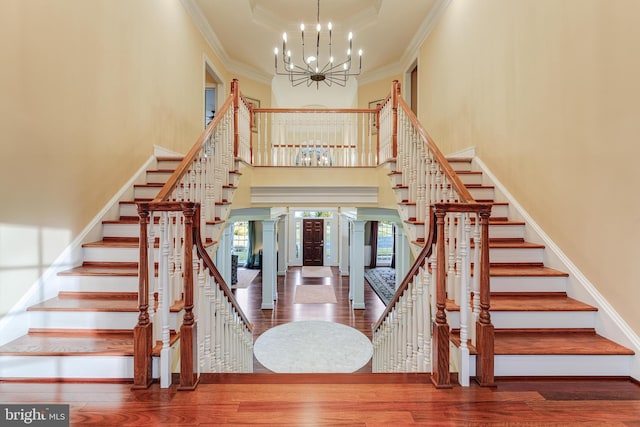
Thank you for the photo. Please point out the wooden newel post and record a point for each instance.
(188, 336)
(395, 92)
(440, 375)
(484, 328)
(235, 91)
(143, 331)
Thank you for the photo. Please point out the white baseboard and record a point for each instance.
(609, 323)
(15, 323)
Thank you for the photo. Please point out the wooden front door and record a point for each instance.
(312, 242)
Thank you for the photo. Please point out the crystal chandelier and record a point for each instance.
(311, 71)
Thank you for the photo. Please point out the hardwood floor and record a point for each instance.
(250, 300)
(359, 399)
(344, 400)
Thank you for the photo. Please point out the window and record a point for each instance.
(241, 241)
(385, 243)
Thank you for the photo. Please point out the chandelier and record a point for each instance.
(309, 70)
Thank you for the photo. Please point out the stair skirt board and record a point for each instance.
(71, 367)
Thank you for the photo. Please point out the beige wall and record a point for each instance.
(547, 91)
(373, 91)
(88, 88)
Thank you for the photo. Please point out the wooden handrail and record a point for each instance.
(184, 166)
(419, 262)
(458, 186)
(208, 262)
(314, 110)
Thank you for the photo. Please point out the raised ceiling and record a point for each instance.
(245, 32)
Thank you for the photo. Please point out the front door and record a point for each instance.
(312, 242)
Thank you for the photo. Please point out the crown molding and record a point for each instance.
(234, 67)
(279, 195)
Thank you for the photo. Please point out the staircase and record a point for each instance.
(86, 332)
(539, 329)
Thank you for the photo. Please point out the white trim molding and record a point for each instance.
(279, 195)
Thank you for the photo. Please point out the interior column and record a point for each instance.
(356, 267)
(269, 264)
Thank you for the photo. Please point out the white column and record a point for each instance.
(223, 254)
(403, 254)
(344, 246)
(356, 266)
(282, 245)
(269, 264)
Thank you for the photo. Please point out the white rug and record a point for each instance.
(315, 294)
(313, 347)
(316, 272)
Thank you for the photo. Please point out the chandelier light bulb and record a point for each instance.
(275, 50)
(331, 59)
(301, 27)
(329, 26)
(284, 37)
(289, 53)
(350, 35)
(311, 59)
(360, 52)
(318, 27)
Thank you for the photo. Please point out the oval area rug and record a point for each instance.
(313, 346)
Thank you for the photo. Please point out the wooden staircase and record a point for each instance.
(86, 331)
(539, 329)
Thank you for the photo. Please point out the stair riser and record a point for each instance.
(562, 365)
(110, 254)
(168, 164)
(158, 177)
(128, 210)
(481, 193)
(145, 192)
(98, 284)
(528, 284)
(514, 255)
(114, 367)
(500, 211)
(471, 178)
(496, 231)
(82, 319)
(133, 230)
(529, 319)
(460, 165)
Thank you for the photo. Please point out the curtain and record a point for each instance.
(374, 244)
(393, 250)
(251, 258)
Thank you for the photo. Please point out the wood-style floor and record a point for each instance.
(359, 399)
(250, 300)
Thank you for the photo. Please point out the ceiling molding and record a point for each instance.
(234, 67)
(411, 53)
(282, 195)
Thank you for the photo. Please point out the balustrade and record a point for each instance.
(314, 138)
(442, 270)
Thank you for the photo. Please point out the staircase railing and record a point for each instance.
(315, 137)
(181, 221)
(434, 201)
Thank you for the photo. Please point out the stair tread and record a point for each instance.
(125, 242)
(537, 302)
(550, 342)
(556, 342)
(71, 343)
(516, 270)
